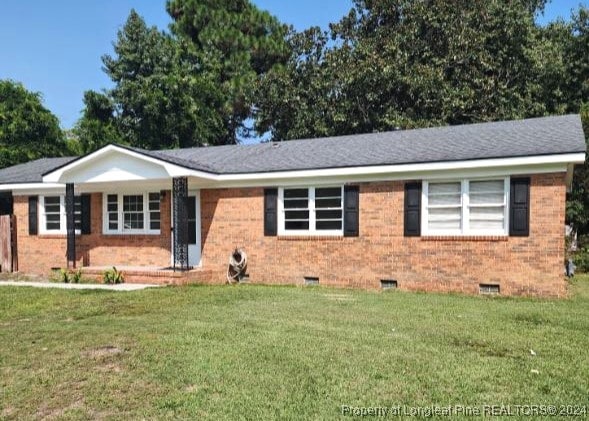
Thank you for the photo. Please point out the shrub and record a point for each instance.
(581, 259)
(68, 276)
(113, 276)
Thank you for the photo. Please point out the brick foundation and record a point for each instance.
(234, 218)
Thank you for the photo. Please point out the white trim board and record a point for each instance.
(199, 179)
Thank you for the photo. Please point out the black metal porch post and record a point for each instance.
(180, 222)
(70, 225)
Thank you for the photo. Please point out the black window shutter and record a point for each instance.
(85, 209)
(33, 215)
(270, 212)
(519, 207)
(351, 211)
(412, 209)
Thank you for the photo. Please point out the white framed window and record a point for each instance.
(310, 210)
(53, 217)
(466, 207)
(136, 213)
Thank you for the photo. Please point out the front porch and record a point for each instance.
(152, 275)
(124, 209)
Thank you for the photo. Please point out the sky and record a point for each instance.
(54, 47)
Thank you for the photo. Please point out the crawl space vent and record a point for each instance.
(489, 289)
(388, 283)
(311, 280)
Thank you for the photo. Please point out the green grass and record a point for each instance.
(283, 352)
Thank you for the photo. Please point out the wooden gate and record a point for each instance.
(8, 254)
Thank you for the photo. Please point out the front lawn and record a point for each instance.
(283, 352)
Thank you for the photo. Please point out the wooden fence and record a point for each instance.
(8, 254)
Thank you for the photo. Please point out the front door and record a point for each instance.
(194, 229)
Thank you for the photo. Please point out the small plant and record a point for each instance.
(68, 276)
(76, 277)
(113, 276)
(64, 276)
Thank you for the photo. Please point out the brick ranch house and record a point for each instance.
(466, 208)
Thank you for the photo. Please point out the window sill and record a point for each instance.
(310, 237)
(131, 234)
(465, 238)
(56, 234)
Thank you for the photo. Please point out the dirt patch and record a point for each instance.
(7, 412)
(47, 413)
(103, 351)
(110, 368)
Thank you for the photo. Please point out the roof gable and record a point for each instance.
(113, 163)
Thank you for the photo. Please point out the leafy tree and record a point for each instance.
(408, 63)
(577, 212)
(98, 125)
(233, 45)
(28, 130)
(159, 99)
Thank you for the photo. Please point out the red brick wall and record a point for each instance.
(39, 253)
(234, 218)
(521, 265)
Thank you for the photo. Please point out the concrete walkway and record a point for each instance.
(117, 287)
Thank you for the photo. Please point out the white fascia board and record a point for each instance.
(438, 170)
(408, 168)
(481, 168)
(23, 189)
(60, 175)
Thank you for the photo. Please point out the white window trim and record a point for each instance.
(62, 213)
(312, 231)
(465, 230)
(120, 231)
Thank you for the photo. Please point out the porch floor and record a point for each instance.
(152, 274)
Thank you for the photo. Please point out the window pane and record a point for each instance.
(328, 203)
(133, 203)
(328, 214)
(52, 204)
(493, 186)
(444, 188)
(296, 193)
(482, 218)
(154, 207)
(328, 192)
(133, 212)
(53, 221)
(296, 204)
(113, 221)
(52, 211)
(444, 219)
(296, 225)
(296, 215)
(486, 198)
(154, 220)
(133, 221)
(78, 212)
(329, 225)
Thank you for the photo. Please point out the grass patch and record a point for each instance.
(283, 352)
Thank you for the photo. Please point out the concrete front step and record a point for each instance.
(148, 275)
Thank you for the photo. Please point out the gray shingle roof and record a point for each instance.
(536, 136)
(31, 172)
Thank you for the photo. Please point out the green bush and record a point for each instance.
(581, 260)
(113, 276)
